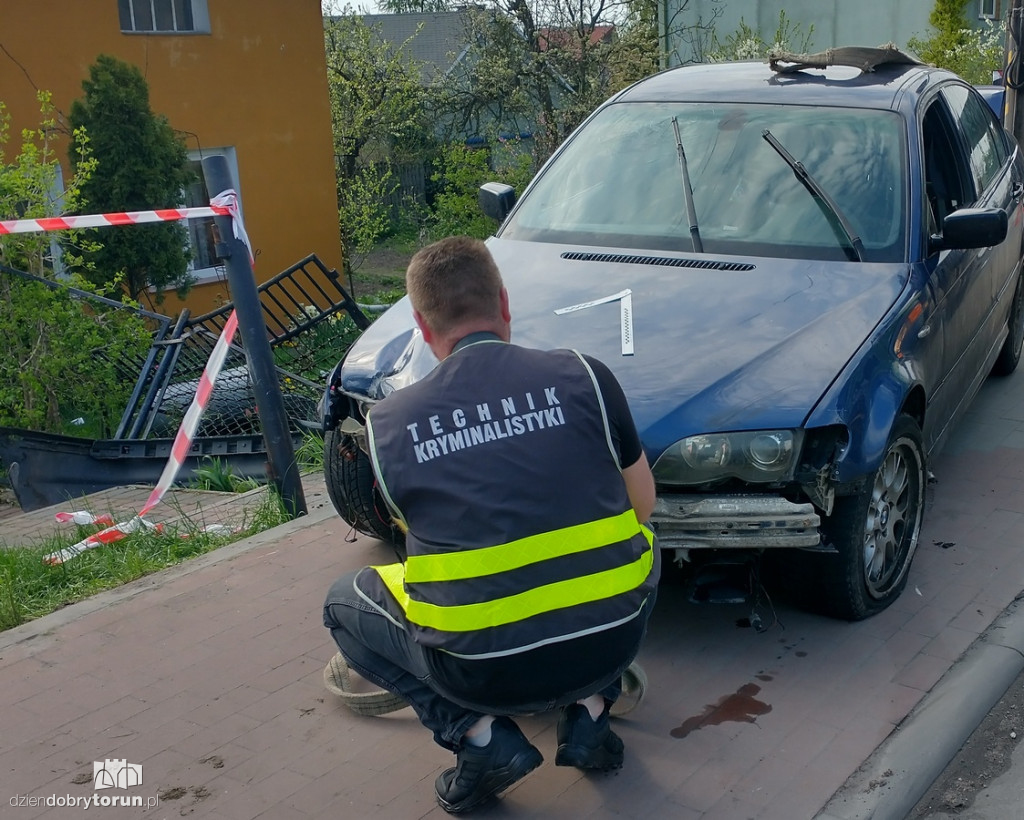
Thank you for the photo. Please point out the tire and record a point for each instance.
(1009, 356)
(875, 534)
(353, 491)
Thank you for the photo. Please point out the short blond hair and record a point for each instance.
(453, 281)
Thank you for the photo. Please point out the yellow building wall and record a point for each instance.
(257, 82)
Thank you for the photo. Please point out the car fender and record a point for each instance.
(334, 407)
(878, 385)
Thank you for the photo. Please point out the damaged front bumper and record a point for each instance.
(685, 522)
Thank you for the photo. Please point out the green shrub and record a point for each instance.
(972, 53)
(460, 171)
(61, 354)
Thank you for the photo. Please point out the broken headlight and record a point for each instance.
(758, 456)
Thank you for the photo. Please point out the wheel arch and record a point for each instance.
(915, 405)
(870, 415)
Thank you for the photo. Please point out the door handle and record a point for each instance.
(1018, 190)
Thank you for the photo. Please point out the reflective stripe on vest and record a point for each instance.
(457, 566)
(519, 607)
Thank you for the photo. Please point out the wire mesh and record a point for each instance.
(310, 320)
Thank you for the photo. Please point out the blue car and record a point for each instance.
(801, 277)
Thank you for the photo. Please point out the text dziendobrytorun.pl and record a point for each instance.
(85, 802)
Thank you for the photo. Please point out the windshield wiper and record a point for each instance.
(838, 222)
(691, 211)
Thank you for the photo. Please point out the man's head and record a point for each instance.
(456, 289)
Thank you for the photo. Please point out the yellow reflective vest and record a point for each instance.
(502, 468)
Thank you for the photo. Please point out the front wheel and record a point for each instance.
(875, 533)
(353, 491)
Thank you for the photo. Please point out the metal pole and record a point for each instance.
(1013, 114)
(283, 470)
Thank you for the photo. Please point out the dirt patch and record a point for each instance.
(984, 757)
(380, 274)
(8, 503)
(173, 793)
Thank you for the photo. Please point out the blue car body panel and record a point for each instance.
(790, 311)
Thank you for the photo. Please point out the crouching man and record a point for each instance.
(520, 481)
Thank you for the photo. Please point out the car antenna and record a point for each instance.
(691, 211)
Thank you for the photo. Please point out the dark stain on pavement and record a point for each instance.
(739, 707)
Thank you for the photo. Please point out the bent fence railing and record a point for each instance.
(311, 320)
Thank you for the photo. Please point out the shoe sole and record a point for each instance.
(582, 757)
(497, 781)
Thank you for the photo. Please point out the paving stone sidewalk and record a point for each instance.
(209, 677)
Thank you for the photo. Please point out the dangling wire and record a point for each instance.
(761, 597)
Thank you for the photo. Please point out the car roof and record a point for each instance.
(888, 86)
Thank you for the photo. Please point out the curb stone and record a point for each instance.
(892, 781)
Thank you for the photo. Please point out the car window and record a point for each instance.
(618, 182)
(945, 176)
(986, 146)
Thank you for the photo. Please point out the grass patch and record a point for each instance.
(218, 474)
(380, 277)
(310, 453)
(30, 588)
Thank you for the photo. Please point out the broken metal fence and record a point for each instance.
(311, 320)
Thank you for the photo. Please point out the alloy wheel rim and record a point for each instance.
(892, 519)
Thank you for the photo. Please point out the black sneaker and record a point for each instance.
(587, 743)
(483, 771)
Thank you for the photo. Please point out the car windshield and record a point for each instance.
(619, 182)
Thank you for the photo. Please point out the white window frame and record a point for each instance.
(56, 251)
(200, 17)
(988, 9)
(215, 272)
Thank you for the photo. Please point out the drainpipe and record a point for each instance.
(664, 60)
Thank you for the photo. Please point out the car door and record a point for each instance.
(995, 177)
(963, 167)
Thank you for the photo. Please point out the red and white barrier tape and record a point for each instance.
(224, 204)
(189, 425)
(65, 223)
(83, 517)
(114, 533)
(228, 201)
(105, 536)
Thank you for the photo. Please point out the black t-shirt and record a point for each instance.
(624, 435)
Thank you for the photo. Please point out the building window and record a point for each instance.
(988, 9)
(164, 16)
(205, 265)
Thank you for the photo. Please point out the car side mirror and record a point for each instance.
(971, 228)
(496, 199)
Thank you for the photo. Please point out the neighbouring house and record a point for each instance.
(552, 38)
(435, 41)
(439, 43)
(836, 22)
(247, 80)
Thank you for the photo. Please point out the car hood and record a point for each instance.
(720, 343)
